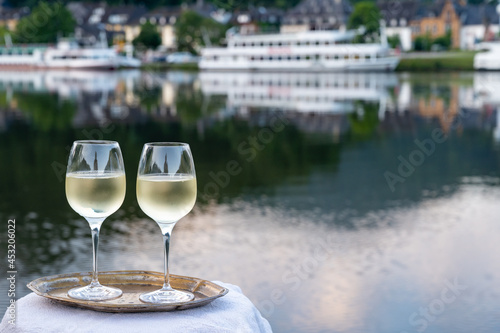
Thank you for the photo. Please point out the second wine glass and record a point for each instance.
(166, 192)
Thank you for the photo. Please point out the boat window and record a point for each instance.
(327, 43)
(297, 58)
(308, 57)
(243, 44)
(317, 43)
(367, 57)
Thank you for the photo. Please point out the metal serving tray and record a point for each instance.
(132, 283)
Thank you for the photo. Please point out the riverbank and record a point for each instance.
(437, 61)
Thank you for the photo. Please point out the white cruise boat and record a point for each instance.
(490, 58)
(303, 51)
(66, 55)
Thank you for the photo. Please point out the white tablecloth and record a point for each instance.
(233, 313)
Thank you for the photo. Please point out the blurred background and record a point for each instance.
(338, 202)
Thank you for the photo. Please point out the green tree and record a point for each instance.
(365, 14)
(148, 38)
(45, 24)
(192, 29)
(443, 41)
(422, 43)
(394, 41)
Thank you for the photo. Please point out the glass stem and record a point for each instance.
(166, 230)
(95, 226)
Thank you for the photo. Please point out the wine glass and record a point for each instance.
(95, 189)
(166, 192)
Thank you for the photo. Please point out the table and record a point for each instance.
(233, 313)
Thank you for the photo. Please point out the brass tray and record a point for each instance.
(132, 283)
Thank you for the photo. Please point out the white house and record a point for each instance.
(475, 19)
(397, 16)
(404, 33)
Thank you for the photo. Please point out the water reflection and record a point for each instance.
(317, 180)
(85, 99)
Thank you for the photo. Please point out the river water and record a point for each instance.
(337, 202)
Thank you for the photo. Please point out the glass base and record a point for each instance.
(165, 296)
(95, 292)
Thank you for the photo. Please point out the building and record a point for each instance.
(88, 19)
(10, 16)
(479, 23)
(116, 19)
(317, 15)
(164, 18)
(256, 20)
(95, 19)
(438, 19)
(397, 15)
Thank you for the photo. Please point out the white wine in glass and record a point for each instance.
(166, 192)
(95, 189)
(166, 197)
